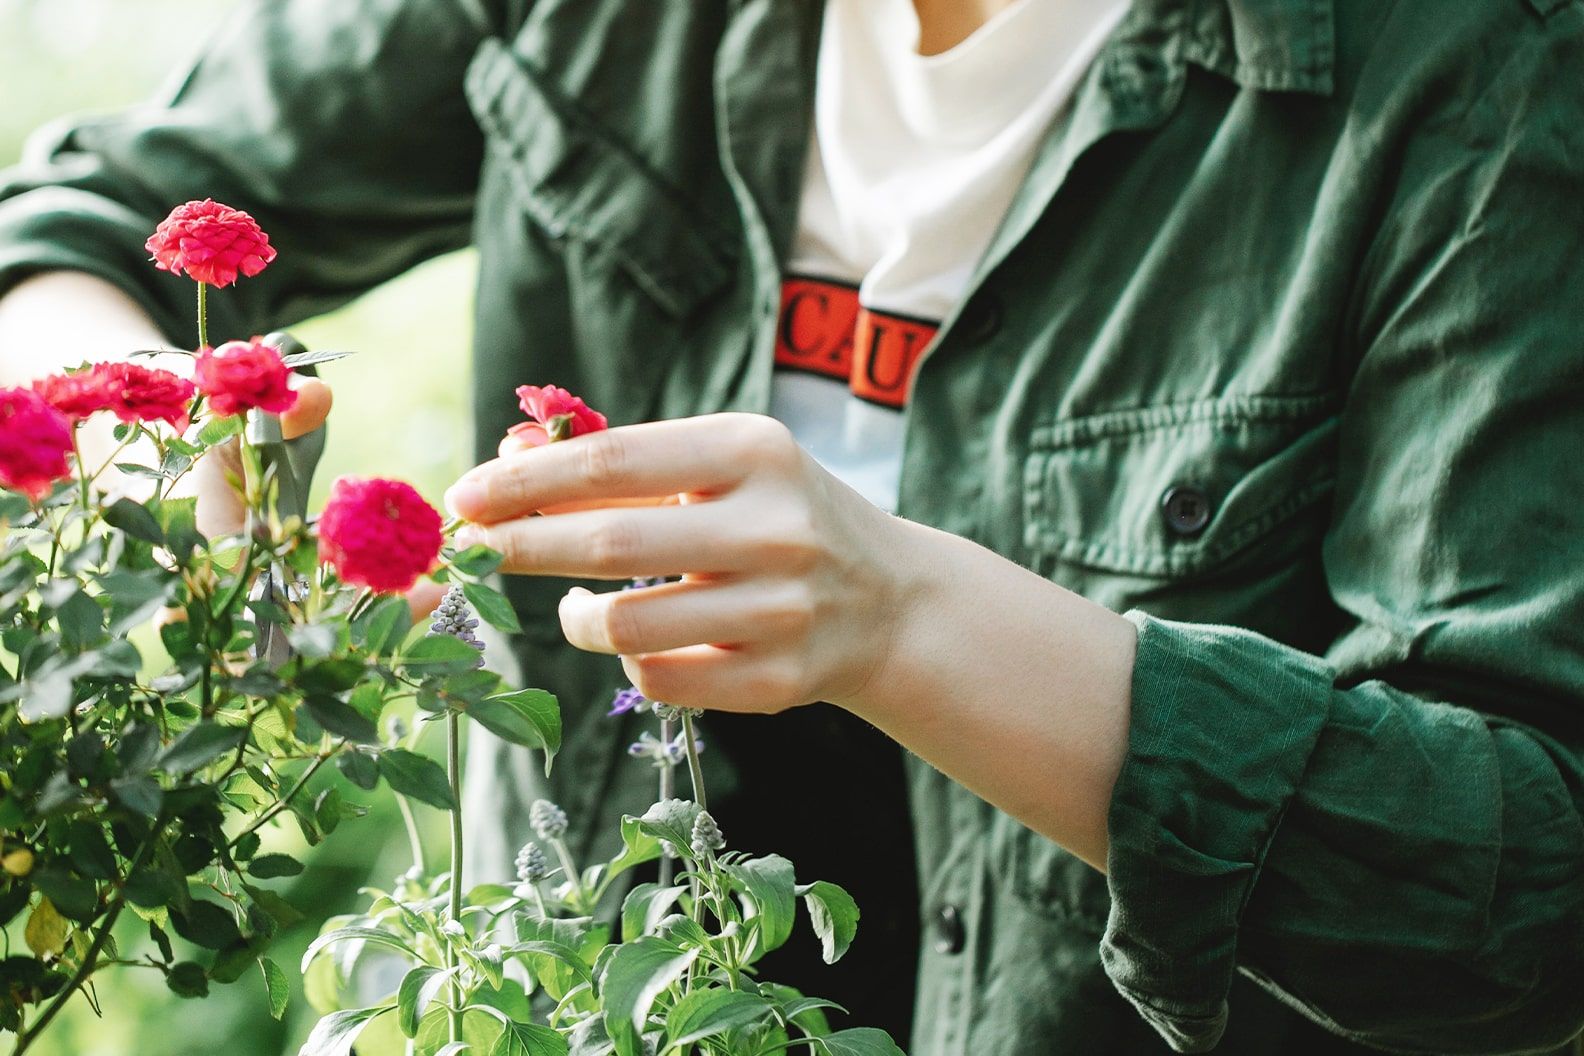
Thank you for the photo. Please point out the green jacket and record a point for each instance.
(1280, 348)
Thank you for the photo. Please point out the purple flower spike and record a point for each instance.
(626, 700)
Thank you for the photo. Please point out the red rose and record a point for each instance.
(241, 375)
(210, 243)
(35, 439)
(144, 394)
(556, 415)
(75, 395)
(378, 533)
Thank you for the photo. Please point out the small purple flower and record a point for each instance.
(626, 700)
(640, 582)
(661, 754)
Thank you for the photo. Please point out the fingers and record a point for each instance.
(690, 455)
(750, 680)
(424, 598)
(693, 612)
(311, 409)
(619, 543)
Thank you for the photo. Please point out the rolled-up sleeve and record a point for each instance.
(341, 127)
(1388, 836)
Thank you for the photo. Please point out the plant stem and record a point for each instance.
(574, 877)
(281, 803)
(203, 315)
(90, 959)
(667, 791)
(695, 770)
(414, 837)
(454, 772)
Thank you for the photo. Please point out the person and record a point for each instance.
(1175, 451)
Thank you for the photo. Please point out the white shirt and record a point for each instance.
(913, 163)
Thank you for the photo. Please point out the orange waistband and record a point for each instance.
(824, 330)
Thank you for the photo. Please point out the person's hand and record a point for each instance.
(792, 584)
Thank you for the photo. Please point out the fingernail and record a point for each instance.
(463, 496)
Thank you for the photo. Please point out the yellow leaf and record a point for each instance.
(46, 929)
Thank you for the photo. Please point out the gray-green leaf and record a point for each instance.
(834, 915)
(637, 973)
(417, 776)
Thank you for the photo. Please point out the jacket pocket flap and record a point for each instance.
(1098, 489)
(575, 181)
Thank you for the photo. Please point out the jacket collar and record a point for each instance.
(1275, 45)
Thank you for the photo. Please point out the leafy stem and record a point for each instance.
(454, 774)
(283, 802)
(695, 770)
(90, 959)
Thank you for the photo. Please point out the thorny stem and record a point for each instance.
(454, 772)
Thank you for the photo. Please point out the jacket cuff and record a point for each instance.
(66, 229)
(1223, 724)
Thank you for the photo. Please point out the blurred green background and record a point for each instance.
(403, 419)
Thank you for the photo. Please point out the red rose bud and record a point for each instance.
(555, 414)
(378, 533)
(35, 439)
(242, 375)
(210, 243)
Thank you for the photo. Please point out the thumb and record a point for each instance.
(311, 409)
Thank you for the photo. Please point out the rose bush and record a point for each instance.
(140, 777)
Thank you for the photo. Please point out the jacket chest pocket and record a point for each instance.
(584, 189)
(1179, 492)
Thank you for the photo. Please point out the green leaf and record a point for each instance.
(270, 866)
(232, 962)
(358, 934)
(305, 358)
(384, 627)
(187, 979)
(140, 794)
(81, 620)
(219, 430)
(529, 717)
(834, 915)
(200, 745)
(671, 819)
(492, 607)
(276, 987)
(706, 1013)
(636, 974)
(645, 906)
(334, 1034)
(417, 776)
(769, 884)
(135, 520)
(45, 932)
(418, 988)
(314, 641)
(477, 561)
(341, 719)
(860, 1041)
(73, 896)
(439, 654)
(638, 847)
(359, 768)
(205, 924)
(529, 1039)
(90, 853)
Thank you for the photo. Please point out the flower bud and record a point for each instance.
(706, 835)
(18, 862)
(531, 864)
(455, 617)
(547, 819)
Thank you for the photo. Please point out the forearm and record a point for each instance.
(62, 319)
(1012, 686)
